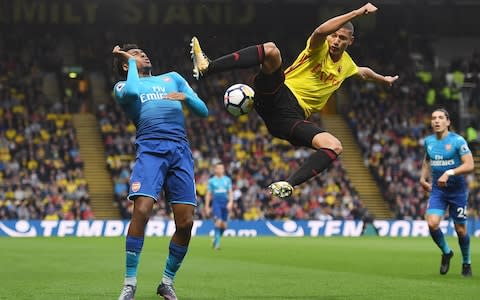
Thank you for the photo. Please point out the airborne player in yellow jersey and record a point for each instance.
(285, 99)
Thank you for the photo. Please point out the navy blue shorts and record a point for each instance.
(456, 202)
(163, 164)
(220, 212)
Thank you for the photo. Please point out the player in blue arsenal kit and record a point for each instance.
(220, 193)
(447, 159)
(163, 158)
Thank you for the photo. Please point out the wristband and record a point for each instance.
(450, 172)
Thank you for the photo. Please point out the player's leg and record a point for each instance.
(433, 221)
(216, 212)
(328, 149)
(267, 55)
(142, 209)
(217, 233)
(180, 190)
(327, 146)
(458, 212)
(464, 243)
(438, 237)
(221, 216)
(144, 187)
(183, 214)
(435, 212)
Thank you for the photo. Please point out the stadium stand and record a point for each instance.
(253, 160)
(390, 125)
(41, 171)
(250, 152)
(389, 135)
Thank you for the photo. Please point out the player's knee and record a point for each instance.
(272, 60)
(337, 147)
(433, 224)
(461, 230)
(271, 50)
(328, 141)
(184, 224)
(142, 209)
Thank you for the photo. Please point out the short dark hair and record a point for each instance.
(441, 109)
(118, 62)
(349, 26)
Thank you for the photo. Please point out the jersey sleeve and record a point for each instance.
(462, 146)
(351, 66)
(210, 186)
(348, 66)
(126, 91)
(425, 148)
(193, 101)
(321, 51)
(229, 186)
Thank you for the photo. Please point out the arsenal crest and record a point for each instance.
(136, 186)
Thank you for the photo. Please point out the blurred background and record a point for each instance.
(66, 149)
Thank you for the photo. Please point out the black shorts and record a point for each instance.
(279, 109)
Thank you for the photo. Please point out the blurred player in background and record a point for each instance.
(220, 194)
(447, 159)
(163, 158)
(285, 99)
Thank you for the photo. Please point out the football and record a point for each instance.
(238, 99)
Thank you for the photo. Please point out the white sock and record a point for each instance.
(167, 280)
(130, 281)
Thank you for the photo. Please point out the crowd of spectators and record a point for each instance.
(253, 159)
(41, 171)
(391, 124)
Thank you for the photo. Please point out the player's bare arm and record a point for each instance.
(425, 174)
(330, 26)
(230, 201)
(368, 74)
(208, 198)
(467, 166)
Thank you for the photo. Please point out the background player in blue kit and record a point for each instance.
(220, 193)
(447, 159)
(163, 158)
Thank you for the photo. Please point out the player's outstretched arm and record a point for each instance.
(368, 74)
(425, 174)
(330, 26)
(191, 98)
(129, 90)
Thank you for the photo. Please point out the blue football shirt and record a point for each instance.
(219, 187)
(145, 102)
(446, 154)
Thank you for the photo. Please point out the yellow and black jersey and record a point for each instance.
(314, 76)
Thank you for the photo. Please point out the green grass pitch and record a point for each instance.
(245, 268)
